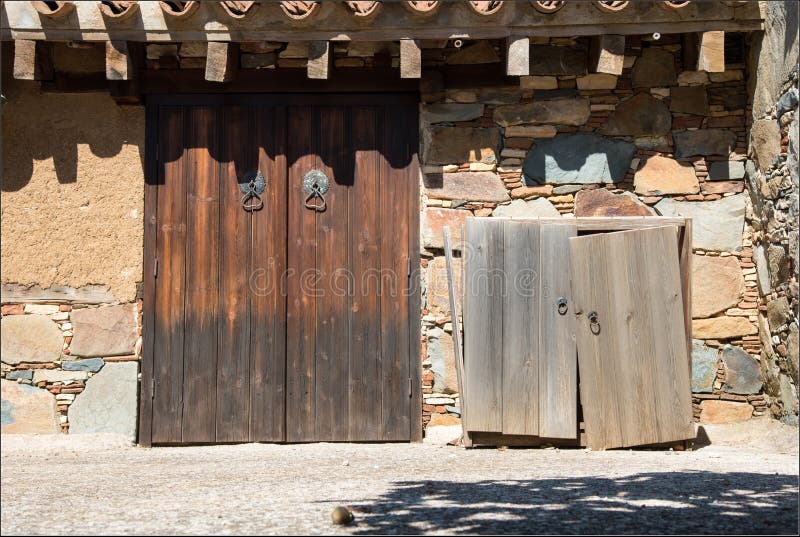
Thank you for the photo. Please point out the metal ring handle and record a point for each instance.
(594, 325)
(319, 207)
(562, 305)
(252, 206)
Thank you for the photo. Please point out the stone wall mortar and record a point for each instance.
(67, 376)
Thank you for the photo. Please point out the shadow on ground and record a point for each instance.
(675, 502)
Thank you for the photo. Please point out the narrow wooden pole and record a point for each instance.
(459, 357)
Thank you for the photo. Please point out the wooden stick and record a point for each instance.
(459, 357)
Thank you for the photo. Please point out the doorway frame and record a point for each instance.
(149, 262)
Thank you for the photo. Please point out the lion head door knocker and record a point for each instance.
(252, 186)
(315, 185)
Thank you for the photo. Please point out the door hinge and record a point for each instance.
(155, 268)
(410, 387)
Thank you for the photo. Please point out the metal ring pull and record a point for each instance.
(562, 305)
(594, 325)
(252, 185)
(252, 206)
(316, 184)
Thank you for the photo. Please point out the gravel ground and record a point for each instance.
(100, 485)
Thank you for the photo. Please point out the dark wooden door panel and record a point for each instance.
(202, 276)
(169, 287)
(285, 323)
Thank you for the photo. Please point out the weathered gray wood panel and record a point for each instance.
(483, 323)
(558, 367)
(634, 369)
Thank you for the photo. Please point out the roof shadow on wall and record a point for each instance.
(37, 126)
(684, 502)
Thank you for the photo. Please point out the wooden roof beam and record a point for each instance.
(33, 60)
(518, 56)
(410, 58)
(222, 61)
(704, 51)
(319, 59)
(607, 54)
(120, 64)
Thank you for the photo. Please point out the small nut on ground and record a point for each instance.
(341, 515)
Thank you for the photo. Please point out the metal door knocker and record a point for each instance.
(594, 325)
(252, 186)
(562, 305)
(315, 184)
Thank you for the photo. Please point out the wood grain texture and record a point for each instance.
(202, 276)
(520, 321)
(484, 288)
(301, 317)
(267, 282)
(235, 248)
(518, 61)
(410, 58)
(558, 367)
(635, 385)
(169, 293)
(364, 232)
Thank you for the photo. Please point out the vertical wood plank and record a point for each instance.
(333, 303)
(267, 283)
(520, 320)
(466, 440)
(238, 156)
(364, 262)
(301, 317)
(397, 385)
(483, 323)
(685, 247)
(151, 186)
(558, 367)
(202, 277)
(170, 319)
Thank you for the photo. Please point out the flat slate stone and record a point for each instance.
(663, 175)
(655, 68)
(528, 209)
(449, 112)
(29, 338)
(108, 404)
(460, 145)
(573, 112)
(765, 142)
(689, 100)
(103, 331)
(26, 409)
(25, 374)
(726, 170)
(57, 375)
(722, 328)
(472, 186)
(437, 292)
(556, 61)
(704, 142)
(742, 371)
(601, 202)
(90, 364)
(717, 225)
(641, 115)
(762, 270)
(578, 158)
(434, 219)
(778, 312)
(704, 367)
(442, 358)
(717, 284)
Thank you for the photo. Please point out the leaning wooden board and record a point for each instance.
(635, 382)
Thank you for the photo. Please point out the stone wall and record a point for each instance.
(772, 180)
(657, 140)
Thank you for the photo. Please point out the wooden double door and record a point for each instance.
(286, 321)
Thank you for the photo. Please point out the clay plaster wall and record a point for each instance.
(72, 189)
